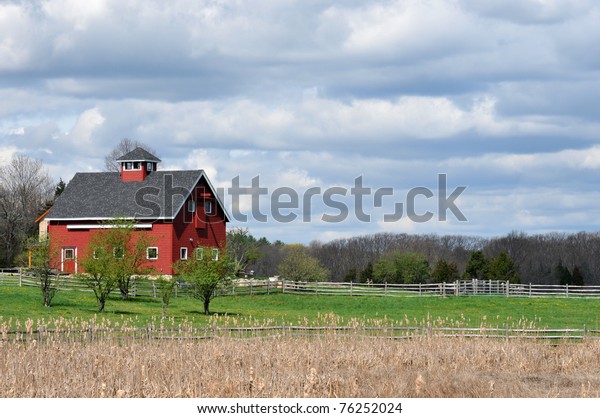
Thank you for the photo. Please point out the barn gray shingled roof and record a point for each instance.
(139, 154)
(104, 195)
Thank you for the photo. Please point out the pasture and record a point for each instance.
(23, 303)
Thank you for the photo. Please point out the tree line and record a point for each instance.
(549, 258)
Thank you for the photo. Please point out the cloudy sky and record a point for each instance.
(501, 96)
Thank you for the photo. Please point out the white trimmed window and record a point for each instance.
(149, 167)
(69, 253)
(152, 253)
(191, 206)
(215, 254)
(208, 207)
(183, 253)
(132, 165)
(199, 253)
(118, 252)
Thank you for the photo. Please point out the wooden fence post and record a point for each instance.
(350, 288)
(507, 288)
(20, 277)
(567, 289)
(282, 285)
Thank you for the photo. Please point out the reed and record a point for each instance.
(325, 364)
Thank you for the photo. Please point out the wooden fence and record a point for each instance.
(474, 287)
(147, 287)
(151, 332)
(458, 288)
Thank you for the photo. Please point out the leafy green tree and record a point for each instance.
(298, 264)
(402, 268)
(242, 248)
(113, 257)
(477, 266)
(206, 274)
(43, 258)
(96, 263)
(502, 267)
(165, 288)
(129, 253)
(445, 272)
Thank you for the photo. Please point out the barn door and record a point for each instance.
(69, 260)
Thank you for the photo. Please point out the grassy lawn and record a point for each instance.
(26, 303)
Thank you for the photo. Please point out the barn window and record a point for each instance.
(191, 206)
(152, 253)
(69, 254)
(208, 207)
(118, 252)
(183, 253)
(215, 254)
(199, 253)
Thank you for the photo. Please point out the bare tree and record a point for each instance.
(25, 190)
(126, 145)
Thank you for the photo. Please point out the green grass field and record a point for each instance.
(22, 303)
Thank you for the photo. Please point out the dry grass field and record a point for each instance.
(318, 366)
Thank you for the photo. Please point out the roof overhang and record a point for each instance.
(106, 226)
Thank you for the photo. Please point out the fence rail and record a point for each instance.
(458, 288)
(151, 332)
(147, 287)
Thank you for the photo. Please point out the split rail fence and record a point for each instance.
(93, 333)
(474, 287)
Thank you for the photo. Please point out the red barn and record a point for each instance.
(180, 210)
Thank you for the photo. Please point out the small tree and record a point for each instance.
(477, 266)
(445, 272)
(503, 268)
(129, 253)
(97, 265)
(165, 288)
(43, 257)
(206, 273)
(112, 258)
(298, 264)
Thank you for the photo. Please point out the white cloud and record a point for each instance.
(82, 133)
(501, 95)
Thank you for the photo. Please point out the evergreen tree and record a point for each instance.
(562, 274)
(351, 275)
(445, 272)
(477, 266)
(366, 275)
(577, 276)
(503, 268)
